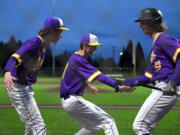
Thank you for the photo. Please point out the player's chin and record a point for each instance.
(145, 31)
(90, 54)
(93, 52)
(56, 41)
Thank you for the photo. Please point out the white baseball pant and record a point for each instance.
(25, 104)
(153, 110)
(91, 117)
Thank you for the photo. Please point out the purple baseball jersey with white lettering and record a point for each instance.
(163, 58)
(26, 61)
(76, 72)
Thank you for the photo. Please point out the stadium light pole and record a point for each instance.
(53, 46)
(134, 59)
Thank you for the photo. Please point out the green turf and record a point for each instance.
(42, 97)
(59, 123)
(49, 79)
(52, 98)
(4, 99)
(1, 79)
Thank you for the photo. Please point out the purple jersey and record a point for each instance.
(26, 61)
(163, 58)
(76, 72)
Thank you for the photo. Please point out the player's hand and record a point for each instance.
(91, 88)
(124, 88)
(170, 89)
(95, 91)
(8, 81)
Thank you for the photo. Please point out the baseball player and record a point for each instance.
(20, 74)
(73, 85)
(163, 71)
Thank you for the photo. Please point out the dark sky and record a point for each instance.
(111, 20)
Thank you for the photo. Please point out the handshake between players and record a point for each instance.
(169, 89)
(121, 88)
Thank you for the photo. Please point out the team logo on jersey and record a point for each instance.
(153, 56)
(158, 65)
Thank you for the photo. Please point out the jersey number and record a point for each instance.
(158, 65)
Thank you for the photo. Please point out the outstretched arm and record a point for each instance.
(134, 81)
(111, 82)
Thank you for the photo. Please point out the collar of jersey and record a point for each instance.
(156, 37)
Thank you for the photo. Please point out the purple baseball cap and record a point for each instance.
(90, 39)
(55, 23)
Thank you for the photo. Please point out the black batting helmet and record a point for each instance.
(150, 15)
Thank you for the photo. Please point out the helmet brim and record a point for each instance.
(138, 20)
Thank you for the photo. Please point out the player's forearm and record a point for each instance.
(134, 81)
(107, 80)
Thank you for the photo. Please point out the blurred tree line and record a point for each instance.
(125, 60)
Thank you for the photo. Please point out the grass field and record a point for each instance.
(59, 123)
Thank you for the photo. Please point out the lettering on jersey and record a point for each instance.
(153, 56)
(158, 65)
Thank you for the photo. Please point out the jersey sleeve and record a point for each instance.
(10, 65)
(16, 58)
(148, 73)
(107, 80)
(86, 70)
(140, 79)
(176, 74)
(170, 46)
(28, 46)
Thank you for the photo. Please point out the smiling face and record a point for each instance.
(146, 28)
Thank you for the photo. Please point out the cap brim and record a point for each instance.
(63, 28)
(94, 44)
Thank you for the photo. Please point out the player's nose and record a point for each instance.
(60, 35)
(141, 26)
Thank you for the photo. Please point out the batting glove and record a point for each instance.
(170, 89)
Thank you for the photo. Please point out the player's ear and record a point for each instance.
(84, 45)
